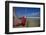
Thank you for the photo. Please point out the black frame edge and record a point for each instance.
(6, 17)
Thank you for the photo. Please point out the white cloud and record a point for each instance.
(35, 14)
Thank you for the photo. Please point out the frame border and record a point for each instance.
(7, 17)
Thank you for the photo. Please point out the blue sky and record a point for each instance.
(25, 11)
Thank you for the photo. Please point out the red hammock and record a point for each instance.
(23, 22)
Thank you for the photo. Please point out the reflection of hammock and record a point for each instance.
(16, 21)
(15, 17)
(19, 22)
